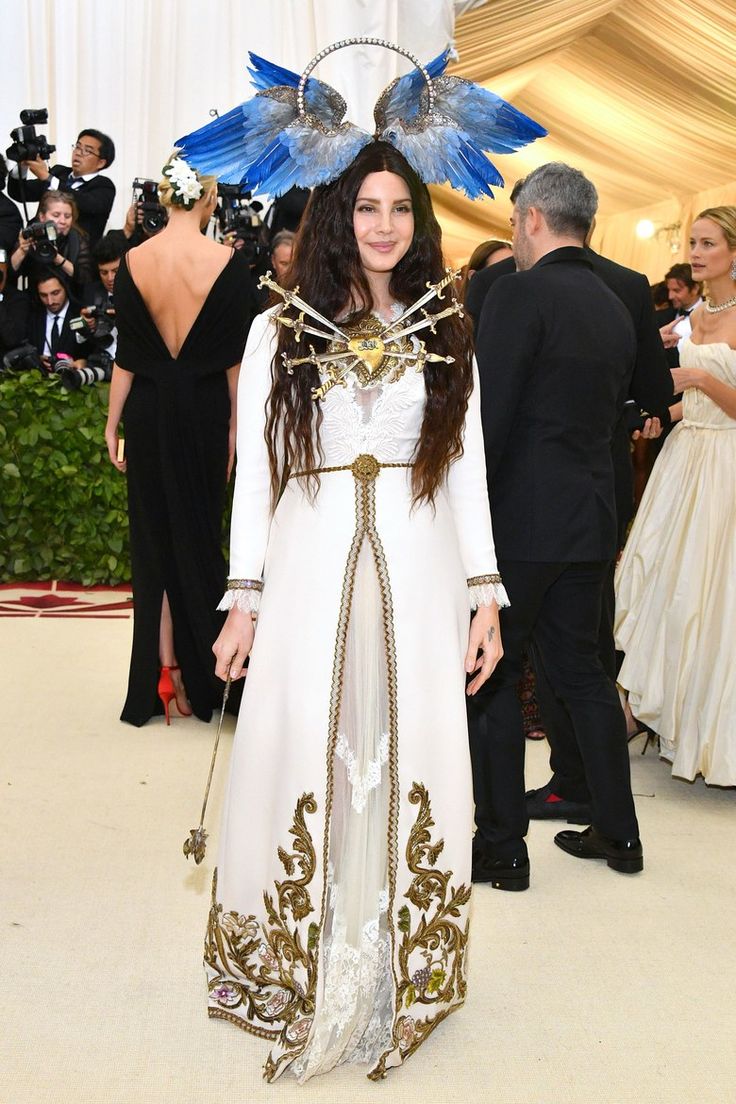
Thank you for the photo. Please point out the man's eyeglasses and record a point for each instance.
(86, 150)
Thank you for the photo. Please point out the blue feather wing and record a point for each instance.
(492, 123)
(321, 99)
(402, 98)
(228, 146)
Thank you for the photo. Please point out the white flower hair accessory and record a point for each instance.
(186, 186)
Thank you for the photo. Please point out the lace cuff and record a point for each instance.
(483, 589)
(243, 593)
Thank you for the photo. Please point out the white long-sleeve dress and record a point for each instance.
(339, 920)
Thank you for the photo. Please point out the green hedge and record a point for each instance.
(63, 509)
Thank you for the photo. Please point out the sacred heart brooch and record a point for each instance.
(372, 349)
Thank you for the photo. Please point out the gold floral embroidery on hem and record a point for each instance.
(436, 939)
(264, 969)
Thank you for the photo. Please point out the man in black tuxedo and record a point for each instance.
(556, 351)
(566, 795)
(48, 322)
(93, 193)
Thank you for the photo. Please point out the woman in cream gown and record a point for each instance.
(339, 921)
(676, 582)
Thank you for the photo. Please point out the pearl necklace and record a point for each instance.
(714, 308)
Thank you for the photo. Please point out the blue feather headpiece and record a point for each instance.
(294, 133)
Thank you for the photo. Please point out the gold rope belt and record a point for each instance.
(364, 467)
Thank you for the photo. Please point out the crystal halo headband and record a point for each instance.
(293, 132)
(360, 41)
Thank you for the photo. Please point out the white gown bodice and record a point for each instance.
(719, 360)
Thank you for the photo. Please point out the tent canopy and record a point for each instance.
(639, 94)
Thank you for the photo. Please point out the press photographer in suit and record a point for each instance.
(556, 350)
(93, 193)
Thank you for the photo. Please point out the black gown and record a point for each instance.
(176, 421)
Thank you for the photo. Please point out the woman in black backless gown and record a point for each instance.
(177, 404)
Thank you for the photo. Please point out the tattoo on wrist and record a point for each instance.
(491, 633)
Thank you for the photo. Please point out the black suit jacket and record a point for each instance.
(555, 351)
(651, 383)
(10, 224)
(14, 306)
(94, 197)
(67, 338)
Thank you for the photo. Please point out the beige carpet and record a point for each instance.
(592, 988)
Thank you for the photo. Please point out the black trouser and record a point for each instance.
(565, 760)
(559, 606)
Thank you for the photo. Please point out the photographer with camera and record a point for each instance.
(93, 151)
(52, 240)
(10, 220)
(98, 310)
(144, 218)
(49, 330)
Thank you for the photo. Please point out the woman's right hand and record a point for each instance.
(112, 440)
(234, 643)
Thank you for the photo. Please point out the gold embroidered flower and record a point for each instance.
(239, 928)
(276, 1003)
(406, 1030)
(298, 1031)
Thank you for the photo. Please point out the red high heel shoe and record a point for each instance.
(167, 691)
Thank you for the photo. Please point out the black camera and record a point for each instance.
(145, 196)
(42, 236)
(98, 370)
(104, 318)
(238, 215)
(27, 144)
(24, 358)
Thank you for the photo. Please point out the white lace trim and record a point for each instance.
(354, 976)
(484, 593)
(362, 784)
(246, 599)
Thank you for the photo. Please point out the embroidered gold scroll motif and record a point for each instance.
(433, 945)
(265, 971)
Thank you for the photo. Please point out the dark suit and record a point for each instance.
(556, 352)
(94, 197)
(651, 388)
(14, 306)
(10, 224)
(67, 339)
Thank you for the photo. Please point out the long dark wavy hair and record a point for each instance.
(327, 269)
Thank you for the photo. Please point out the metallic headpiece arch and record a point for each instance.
(294, 132)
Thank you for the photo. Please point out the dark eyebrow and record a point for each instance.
(371, 199)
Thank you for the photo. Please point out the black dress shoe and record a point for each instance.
(545, 804)
(625, 856)
(510, 874)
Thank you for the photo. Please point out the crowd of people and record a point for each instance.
(57, 273)
(413, 494)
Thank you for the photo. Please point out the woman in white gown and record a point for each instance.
(339, 920)
(676, 582)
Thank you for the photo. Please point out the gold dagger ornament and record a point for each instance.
(373, 349)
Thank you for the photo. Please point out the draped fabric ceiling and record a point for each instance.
(639, 94)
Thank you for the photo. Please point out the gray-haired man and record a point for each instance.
(555, 352)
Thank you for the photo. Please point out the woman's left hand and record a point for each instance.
(686, 377)
(484, 638)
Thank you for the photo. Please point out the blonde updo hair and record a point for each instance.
(725, 217)
(166, 193)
